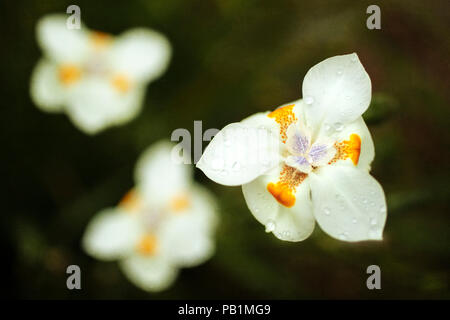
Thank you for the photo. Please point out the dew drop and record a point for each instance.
(364, 201)
(342, 236)
(373, 221)
(309, 100)
(286, 234)
(270, 226)
(236, 166)
(383, 209)
(354, 221)
(338, 126)
(353, 58)
(339, 72)
(327, 211)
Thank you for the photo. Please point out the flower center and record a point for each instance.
(69, 74)
(303, 154)
(147, 245)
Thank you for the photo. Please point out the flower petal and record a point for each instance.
(111, 234)
(336, 91)
(289, 224)
(298, 141)
(149, 273)
(46, 89)
(60, 43)
(142, 53)
(239, 153)
(94, 105)
(158, 176)
(349, 204)
(185, 242)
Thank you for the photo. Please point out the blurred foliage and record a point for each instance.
(231, 59)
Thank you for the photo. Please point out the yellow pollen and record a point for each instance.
(69, 74)
(283, 191)
(131, 202)
(284, 117)
(348, 149)
(147, 245)
(121, 83)
(100, 40)
(180, 203)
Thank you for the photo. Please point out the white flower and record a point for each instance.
(97, 79)
(308, 160)
(164, 223)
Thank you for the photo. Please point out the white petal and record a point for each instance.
(298, 140)
(142, 53)
(94, 104)
(60, 43)
(185, 242)
(203, 208)
(261, 120)
(46, 89)
(158, 176)
(111, 234)
(299, 162)
(336, 91)
(289, 224)
(349, 204)
(239, 153)
(149, 273)
(186, 236)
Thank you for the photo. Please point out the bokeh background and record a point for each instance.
(231, 59)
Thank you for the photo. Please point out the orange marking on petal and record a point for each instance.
(348, 149)
(131, 201)
(282, 193)
(180, 203)
(147, 245)
(69, 74)
(100, 40)
(284, 117)
(284, 190)
(121, 83)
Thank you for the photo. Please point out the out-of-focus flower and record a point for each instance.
(307, 160)
(97, 79)
(164, 223)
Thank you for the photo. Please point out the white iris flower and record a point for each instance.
(97, 79)
(164, 223)
(308, 160)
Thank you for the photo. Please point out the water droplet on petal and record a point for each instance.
(354, 221)
(236, 166)
(353, 58)
(373, 221)
(309, 100)
(342, 236)
(327, 211)
(270, 226)
(338, 126)
(364, 201)
(382, 209)
(286, 234)
(339, 72)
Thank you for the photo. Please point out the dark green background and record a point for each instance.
(232, 59)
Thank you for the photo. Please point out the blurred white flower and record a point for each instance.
(308, 160)
(97, 79)
(164, 223)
